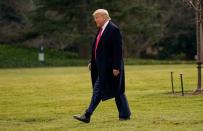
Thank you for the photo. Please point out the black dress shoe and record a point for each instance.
(124, 119)
(82, 118)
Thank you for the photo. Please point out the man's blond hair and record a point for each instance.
(102, 12)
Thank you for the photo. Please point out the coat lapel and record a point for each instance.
(104, 34)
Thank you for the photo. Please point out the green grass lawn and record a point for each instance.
(45, 99)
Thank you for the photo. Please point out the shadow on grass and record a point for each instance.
(40, 119)
(186, 93)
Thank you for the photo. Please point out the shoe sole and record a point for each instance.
(80, 119)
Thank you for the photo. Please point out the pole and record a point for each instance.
(181, 78)
(199, 84)
(172, 83)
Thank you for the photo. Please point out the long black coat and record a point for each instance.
(108, 57)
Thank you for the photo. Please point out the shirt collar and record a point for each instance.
(104, 26)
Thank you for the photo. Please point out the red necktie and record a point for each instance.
(97, 41)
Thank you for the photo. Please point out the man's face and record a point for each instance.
(99, 19)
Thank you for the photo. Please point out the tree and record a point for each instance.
(143, 28)
(178, 39)
(63, 24)
(68, 25)
(13, 19)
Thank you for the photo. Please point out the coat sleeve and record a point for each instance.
(117, 49)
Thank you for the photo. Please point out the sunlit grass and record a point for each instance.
(46, 99)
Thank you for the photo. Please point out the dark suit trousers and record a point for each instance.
(121, 101)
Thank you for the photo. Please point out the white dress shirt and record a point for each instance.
(104, 26)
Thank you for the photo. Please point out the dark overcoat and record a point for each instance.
(109, 56)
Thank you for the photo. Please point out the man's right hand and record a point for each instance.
(89, 66)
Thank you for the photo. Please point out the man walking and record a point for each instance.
(107, 68)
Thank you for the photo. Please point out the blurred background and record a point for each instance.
(151, 29)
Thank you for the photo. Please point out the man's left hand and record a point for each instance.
(116, 72)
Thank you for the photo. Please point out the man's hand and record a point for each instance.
(116, 72)
(89, 66)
